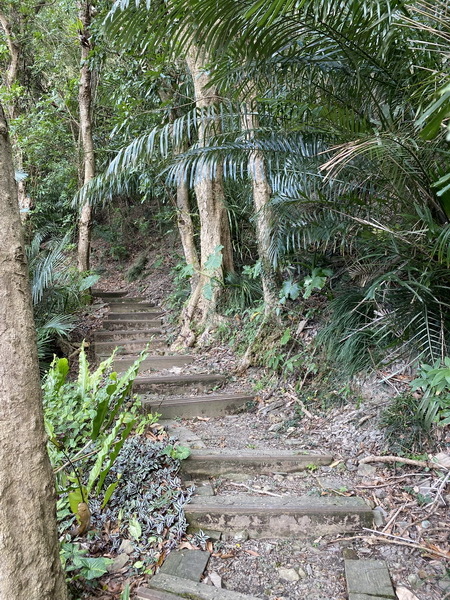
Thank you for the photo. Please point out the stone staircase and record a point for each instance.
(132, 325)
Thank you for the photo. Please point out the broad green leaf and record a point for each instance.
(207, 290)
(214, 260)
(135, 529)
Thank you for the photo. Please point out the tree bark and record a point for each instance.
(261, 199)
(209, 190)
(30, 566)
(184, 219)
(186, 230)
(12, 77)
(87, 140)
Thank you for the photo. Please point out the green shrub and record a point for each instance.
(434, 381)
(404, 426)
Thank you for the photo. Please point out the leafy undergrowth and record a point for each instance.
(121, 501)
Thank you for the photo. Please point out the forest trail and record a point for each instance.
(228, 504)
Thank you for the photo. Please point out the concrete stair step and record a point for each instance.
(128, 299)
(368, 579)
(297, 517)
(128, 346)
(211, 405)
(151, 313)
(133, 307)
(132, 325)
(155, 363)
(173, 384)
(187, 564)
(106, 335)
(203, 464)
(173, 587)
(108, 295)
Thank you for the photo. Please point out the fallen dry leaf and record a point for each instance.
(186, 546)
(405, 594)
(224, 555)
(252, 553)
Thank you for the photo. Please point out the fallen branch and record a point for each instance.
(250, 489)
(396, 541)
(300, 403)
(393, 459)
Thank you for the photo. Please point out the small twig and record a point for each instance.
(300, 403)
(250, 489)
(392, 518)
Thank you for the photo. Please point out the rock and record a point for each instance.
(365, 470)
(414, 580)
(241, 536)
(215, 579)
(288, 574)
(301, 573)
(379, 516)
(444, 584)
(126, 547)
(118, 563)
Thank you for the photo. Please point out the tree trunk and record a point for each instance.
(30, 566)
(186, 230)
(261, 199)
(184, 219)
(209, 190)
(12, 77)
(85, 104)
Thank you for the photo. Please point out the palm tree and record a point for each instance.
(342, 152)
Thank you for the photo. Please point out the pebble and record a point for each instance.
(288, 574)
(365, 470)
(241, 536)
(126, 547)
(444, 584)
(118, 563)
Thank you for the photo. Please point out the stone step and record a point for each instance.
(152, 313)
(106, 335)
(128, 299)
(297, 517)
(125, 324)
(368, 579)
(173, 384)
(211, 405)
(187, 564)
(109, 295)
(177, 587)
(155, 363)
(222, 462)
(128, 346)
(133, 307)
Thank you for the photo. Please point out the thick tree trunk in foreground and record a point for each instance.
(30, 567)
(261, 200)
(209, 190)
(85, 103)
